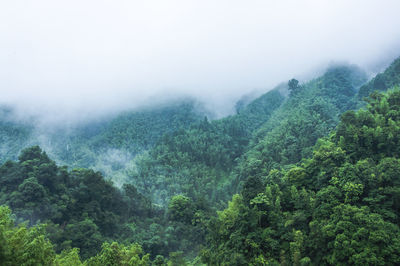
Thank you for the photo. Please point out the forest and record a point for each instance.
(305, 174)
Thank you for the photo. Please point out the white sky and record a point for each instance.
(71, 57)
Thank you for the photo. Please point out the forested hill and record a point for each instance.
(335, 203)
(340, 207)
(214, 158)
(106, 144)
(381, 82)
(110, 145)
(309, 183)
(311, 112)
(197, 161)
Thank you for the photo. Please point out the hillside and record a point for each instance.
(214, 158)
(106, 145)
(382, 81)
(311, 112)
(340, 207)
(197, 161)
(303, 169)
(336, 204)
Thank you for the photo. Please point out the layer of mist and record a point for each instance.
(74, 61)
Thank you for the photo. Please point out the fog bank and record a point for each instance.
(68, 59)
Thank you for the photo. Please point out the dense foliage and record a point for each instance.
(302, 199)
(107, 144)
(340, 207)
(311, 112)
(21, 245)
(214, 158)
(82, 209)
(197, 161)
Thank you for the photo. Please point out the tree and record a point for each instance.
(293, 85)
(181, 209)
(118, 254)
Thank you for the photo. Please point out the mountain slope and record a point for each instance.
(340, 207)
(296, 197)
(311, 111)
(203, 159)
(197, 161)
(13, 135)
(382, 81)
(105, 145)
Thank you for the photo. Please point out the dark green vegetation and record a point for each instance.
(198, 161)
(340, 207)
(214, 158)
(83, 210)
(106, 145)
(316, 184)
(21, 245)
(311, 112)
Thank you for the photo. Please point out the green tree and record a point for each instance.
(181, 209)
(293, 86)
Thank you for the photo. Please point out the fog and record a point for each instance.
(73, 59)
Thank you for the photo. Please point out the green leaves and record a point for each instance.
(29, 246)
(118, 254)
(340, 207)
(353, 231)
(181, 209)
(21, 245)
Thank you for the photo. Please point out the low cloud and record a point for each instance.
(83, 58)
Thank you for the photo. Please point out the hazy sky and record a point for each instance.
(90, 55)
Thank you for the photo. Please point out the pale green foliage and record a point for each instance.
(68, 258)
(118, 254)
(21, 245)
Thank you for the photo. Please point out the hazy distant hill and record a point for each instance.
(110, 142)
(383, 81)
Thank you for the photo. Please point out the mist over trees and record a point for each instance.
(305, 174)
(192, 133)
(61, 64)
